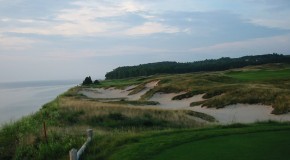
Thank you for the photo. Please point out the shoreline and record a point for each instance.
(20, 101)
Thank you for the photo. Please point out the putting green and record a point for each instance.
(274, 145)
(260, 75)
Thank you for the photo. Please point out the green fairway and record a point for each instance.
(255, 146)
(260, 75)
(257, 141)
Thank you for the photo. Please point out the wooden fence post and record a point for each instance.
(73, 154)
(90, 133)
(44, 130)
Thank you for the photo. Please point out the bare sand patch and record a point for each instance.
(166, 101)
(113, 93)
(242, 113)
(104, 93)
(138, 95)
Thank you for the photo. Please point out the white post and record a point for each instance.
(90, 133)
(73, 154)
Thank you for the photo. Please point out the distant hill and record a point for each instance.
(223, 63)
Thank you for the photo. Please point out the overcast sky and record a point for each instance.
(70, 39)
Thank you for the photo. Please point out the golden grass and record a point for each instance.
(94, 108)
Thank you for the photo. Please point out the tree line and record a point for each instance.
(220, 64)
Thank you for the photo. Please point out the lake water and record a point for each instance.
(18, 99)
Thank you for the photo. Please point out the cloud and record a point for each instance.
(67, 54)
(89, 18)
(136, 18)
(5, 19)
(278, 44)
(93, 10)
(272, 23)
(151, 28)
(266, 13)
(80, 28)
(15, 43)
(84, 28)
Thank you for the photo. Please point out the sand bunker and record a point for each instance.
(239, 113)
(113, 93)
(166, 101)
(242, 113)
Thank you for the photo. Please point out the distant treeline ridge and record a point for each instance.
(223, 63)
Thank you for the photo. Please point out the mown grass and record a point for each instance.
(251, 146)
(162, 143)
(260, 75)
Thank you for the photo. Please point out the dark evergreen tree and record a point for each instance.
(96, 82)
(87, 81)
(223, 63)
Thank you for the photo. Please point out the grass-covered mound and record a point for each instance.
(267, 84)
(68, 117)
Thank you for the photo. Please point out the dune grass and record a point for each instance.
(68, 117)
(251, 85)
(122, 83)
(192, 104)
(137, 103)
(137, 89)
(267, 84)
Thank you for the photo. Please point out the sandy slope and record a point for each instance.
(166, 101)
(117, 93)
(242, 113)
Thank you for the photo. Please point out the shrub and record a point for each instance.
(87, 81)
(96, 82)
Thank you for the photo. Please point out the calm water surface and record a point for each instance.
(18, 99)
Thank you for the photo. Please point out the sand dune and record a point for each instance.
(117, 93)
(243, 113)
(239, 113)
(166, 101)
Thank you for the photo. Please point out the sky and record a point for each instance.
(71, 39)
